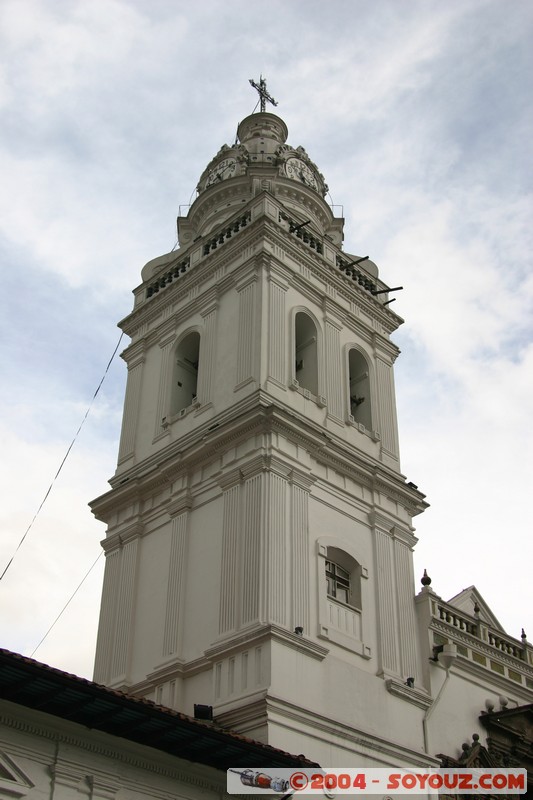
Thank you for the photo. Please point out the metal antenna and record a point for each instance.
(261, 88)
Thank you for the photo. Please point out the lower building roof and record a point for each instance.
(52, 691)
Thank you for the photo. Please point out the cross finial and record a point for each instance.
(261, 88)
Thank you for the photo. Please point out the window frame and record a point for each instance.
(328, 550)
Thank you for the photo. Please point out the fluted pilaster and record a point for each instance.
(251, 548)
(131, 406)
(276, 332)
(207, 356)
(246, 338)
(276, 543)
(177, 568)
(388, 427)
(299, 584)
(125, 610)
(386, 606)
(406, 610)
(333, 366)
(165, 376)
(230, 566)
(106, 626)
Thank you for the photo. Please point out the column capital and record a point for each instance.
(181, 503)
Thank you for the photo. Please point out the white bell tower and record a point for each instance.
(259, 544)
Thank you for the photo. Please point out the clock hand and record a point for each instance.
(228, 166)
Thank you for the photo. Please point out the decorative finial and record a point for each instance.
(425, 580)
(523, 636)
(504, 702)
(261, 88)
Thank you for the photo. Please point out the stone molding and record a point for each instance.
(181, 503)
(419, 697)
(265, 633)
(341, 734)
(262, 228)
(258, 414)
(67, 732)
(450, 632)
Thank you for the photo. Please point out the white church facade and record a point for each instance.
(259, 528)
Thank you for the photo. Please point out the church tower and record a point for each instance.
(259, 540)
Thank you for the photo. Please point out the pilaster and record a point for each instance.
(247, 338)
(208, 354)
(230, 566)
(387, 615)
(163, 395)
(333, 368)
(66, 779)
(277, 578)
(135, 356)
(106, 626)
(388, 425)
(406, 607)
(300, 488)
(252, 551)
(177, 573)
(276, 337)
(125, 605)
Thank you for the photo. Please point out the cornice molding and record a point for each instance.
(50, 729)
(418, 697)
(131, 532)
(257, 635)
(257, 413)
(169, 669)
(227, 480)
(180, 504)
(492, 653)
(302, 480)
(134, 354)
(262, 228)
(349, 737)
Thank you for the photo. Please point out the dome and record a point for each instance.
(259, 160)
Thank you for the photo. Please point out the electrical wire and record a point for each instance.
(72, 596)
(63, 461)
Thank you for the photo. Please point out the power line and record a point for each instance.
(72, 596)
(64, 459)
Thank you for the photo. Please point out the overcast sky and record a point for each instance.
(419, 114)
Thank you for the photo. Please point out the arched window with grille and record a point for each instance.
(185, 377)
(306, 352)
(359, 389)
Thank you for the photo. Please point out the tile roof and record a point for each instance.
(35, 685)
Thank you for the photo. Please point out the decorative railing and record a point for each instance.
(180, 268)
(452, 617)
(483, 632)
(227, 233)
(301, 233)
(356, 275)
(344, 619)
(506, 645)
(168, 277)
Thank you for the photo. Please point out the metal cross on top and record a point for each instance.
(261, 88)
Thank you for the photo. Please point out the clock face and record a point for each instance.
(299, 171)
(224, 169)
